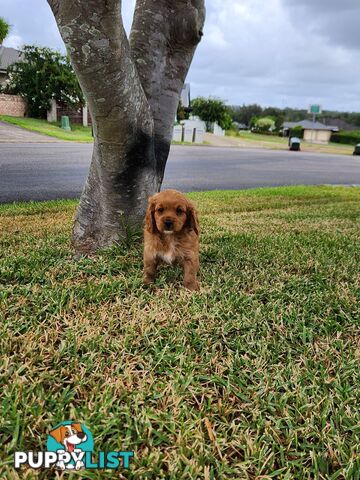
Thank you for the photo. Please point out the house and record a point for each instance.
(240, 126)
(185, 95)
(11, 105)
(8, 56)
(314, 132)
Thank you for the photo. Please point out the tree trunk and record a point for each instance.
(132, 91)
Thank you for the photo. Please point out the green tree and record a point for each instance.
(277, 114)
(263, 125)
(245, 113)
(42, 75)
(132, 86)
(212, 110)
(226, 122)
(4, 29)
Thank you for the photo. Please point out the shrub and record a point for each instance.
(182, 113)
(347, 138)
(297, 132)
(263, 125)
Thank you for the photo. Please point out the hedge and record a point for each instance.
(348, 138)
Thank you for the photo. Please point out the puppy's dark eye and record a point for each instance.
(67, 433)
(160, 210)
(179, 211)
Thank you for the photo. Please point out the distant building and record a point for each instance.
(314, 132)
(8, 56)
(240, 126)
(185, 95)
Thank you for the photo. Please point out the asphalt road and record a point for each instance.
(58, 170)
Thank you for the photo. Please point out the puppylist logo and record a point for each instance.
(70, 446)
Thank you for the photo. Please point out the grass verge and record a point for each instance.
(256, 376)
(280, 143)
(78, 132)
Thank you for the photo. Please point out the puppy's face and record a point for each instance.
(69, 435)
(169, 212)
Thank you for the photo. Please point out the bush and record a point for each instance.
(263, 125)
(347, 138)
(43, 75)
(297, 132)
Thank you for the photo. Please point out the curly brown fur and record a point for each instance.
(171, 235)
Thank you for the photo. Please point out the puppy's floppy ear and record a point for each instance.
(150, 224)
(77, 427)
(58, 433)
(192, 218)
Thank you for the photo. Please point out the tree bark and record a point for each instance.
(132, 91)
(163, 40)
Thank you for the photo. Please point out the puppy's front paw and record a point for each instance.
(194, 285)
(148, 279)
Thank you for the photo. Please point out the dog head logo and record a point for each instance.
(69, 435)
(72, 440)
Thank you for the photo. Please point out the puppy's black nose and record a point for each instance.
(81, 434)
(168, 224)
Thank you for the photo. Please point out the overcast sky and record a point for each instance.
(272, 52)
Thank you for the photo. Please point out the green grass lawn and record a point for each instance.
(254, 377)
(257, 137)
(78, 132)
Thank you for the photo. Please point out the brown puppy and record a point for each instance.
(171, 234)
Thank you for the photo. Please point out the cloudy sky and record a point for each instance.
(273, 52)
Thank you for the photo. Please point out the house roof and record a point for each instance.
(309, 125)
(8, 56)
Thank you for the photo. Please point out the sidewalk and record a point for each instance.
(13, 134)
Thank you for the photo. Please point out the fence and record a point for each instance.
(188, 133)
(79, 116)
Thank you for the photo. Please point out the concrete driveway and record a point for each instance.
(13, 134)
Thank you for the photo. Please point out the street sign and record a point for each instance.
(315, 109)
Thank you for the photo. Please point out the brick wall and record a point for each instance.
(12, 105)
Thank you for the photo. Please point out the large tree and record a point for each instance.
(4, 29)
(132, 88)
